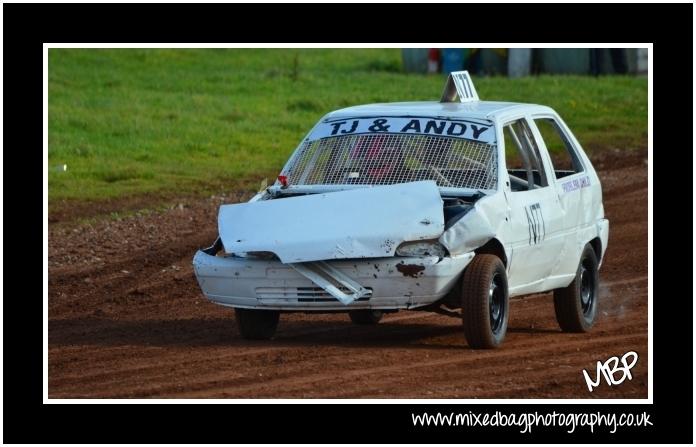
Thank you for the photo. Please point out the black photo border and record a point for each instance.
(28, 26)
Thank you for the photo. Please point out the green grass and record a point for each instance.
(131, 122)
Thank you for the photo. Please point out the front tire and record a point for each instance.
(257, 324)
(485, 302)
(576, 305)
(365, 316)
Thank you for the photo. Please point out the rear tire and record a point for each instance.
(257, 324)
(365, 316)
(576, 305)
(485, 303)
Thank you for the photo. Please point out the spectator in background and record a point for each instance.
(618, 60)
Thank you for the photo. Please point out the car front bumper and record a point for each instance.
(395, 282)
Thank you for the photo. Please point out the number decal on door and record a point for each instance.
(537, 226)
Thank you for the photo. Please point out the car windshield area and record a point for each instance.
(389, 158)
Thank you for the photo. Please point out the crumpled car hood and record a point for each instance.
(359, 223)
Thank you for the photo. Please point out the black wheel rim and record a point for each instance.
(587, 290)
(496, 303)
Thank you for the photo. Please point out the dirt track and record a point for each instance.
(127, 319)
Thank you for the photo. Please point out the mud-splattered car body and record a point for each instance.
(383, 207)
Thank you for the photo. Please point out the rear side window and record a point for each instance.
(563, 156)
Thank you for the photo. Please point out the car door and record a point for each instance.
(535, 220)
(570, 182)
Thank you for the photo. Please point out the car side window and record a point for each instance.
(563, 156)
(522, 158)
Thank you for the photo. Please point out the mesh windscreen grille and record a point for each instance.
(383, 159)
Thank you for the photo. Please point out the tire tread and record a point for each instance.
(566, 301)
(256, 324)
(475, 310)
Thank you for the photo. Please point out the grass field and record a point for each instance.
(133, 122)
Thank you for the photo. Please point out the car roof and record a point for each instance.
(485, 110)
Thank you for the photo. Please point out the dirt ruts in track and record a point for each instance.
(127, 319)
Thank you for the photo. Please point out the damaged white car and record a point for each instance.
(452, 206)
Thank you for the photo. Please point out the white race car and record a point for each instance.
(449, 206)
